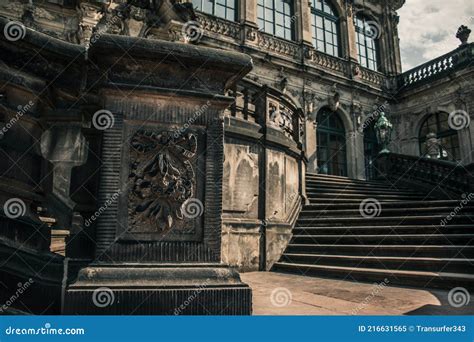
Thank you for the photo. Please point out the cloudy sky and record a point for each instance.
(428, 27)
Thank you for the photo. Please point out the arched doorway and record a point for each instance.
(371, 150)
(438, 124)
(331, 139)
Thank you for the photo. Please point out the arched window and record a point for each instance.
(325, 27)
(331, 143)
(220, 8)
(438, 124)
(367, 35)
(276, 17)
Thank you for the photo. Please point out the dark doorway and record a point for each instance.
(371, 149)
(331, 144)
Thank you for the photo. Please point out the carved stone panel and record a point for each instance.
(164, 193)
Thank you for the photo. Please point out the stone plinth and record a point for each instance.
(158, 235)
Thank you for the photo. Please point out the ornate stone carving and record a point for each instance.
(329, 62)
(161, 179)
(280, 46)
(219, 26)
(281, 117)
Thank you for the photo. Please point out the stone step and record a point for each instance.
(376, 221)
(353, 183)
(393, 229)
(461, 265)
(387, 204)
(404, 277)
(354, 188)
(338, 179)
(313, 182)
(337, 201)
(408, 239)
(441, 251)
(330, 196)
(367, 193)
(385, 212)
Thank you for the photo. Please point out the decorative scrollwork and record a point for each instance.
(161, 178)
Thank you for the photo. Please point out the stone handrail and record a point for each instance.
(373, 77)
(326, 61)
(451, 177)
(219, 26)
(437, 67)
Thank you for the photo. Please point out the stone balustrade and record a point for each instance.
(437, 67)
(451, 178)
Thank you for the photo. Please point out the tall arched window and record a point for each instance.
(367, 35)
(438, 124)
(276, 17)
(220, 8)
(325, 27)
(331, 143)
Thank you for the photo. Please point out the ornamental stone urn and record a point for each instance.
(463, 34)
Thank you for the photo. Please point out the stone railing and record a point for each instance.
(376, 78)
(328, 62)
(449, 177)
(219, 26)
(243, 107)
(437, 67)
(274, 44)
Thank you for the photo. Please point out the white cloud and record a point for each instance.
(427, 28)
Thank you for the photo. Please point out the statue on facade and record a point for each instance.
(433, 146)
(383, 129)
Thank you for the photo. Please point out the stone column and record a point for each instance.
(349, 27)
(248, 12)
(303, 22)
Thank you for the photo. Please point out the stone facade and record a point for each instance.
(270, 129)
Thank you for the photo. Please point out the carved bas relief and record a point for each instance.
(163, 201)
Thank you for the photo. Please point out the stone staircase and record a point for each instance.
(373, 231)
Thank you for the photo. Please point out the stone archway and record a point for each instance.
(331, 143)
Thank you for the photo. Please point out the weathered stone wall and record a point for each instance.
(242, 195)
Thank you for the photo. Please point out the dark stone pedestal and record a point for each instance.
(167, 289)
(158, 225)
